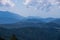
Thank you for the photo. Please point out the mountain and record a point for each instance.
(34, 19)
(30, 28)
(9, 17)
(39, 19)
(12, 20)
(52, 25)
(30, 23)
(57, 21)
(48, 19)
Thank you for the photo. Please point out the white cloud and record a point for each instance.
(54, 2)
(26, 2)
(7, 3)
(42, 4)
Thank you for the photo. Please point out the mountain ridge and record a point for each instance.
(9, 17)
(11, 20)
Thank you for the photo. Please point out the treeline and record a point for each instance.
(27, 33)
(13, 37)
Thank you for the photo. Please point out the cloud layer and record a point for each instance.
(7, 3)
(42, 4)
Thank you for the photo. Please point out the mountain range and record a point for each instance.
(28, 28)
(9, 17)
(13, 20)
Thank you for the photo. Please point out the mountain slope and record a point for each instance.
(57, 21)
(31, 33)
(8, 17)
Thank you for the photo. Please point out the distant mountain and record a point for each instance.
(12, 20)
(52, 25)
(9, 17)
(28, 28)
(57, 21)
(34, 19)
(46, 20)
(31, 23)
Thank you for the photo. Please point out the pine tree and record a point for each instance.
(13, 37)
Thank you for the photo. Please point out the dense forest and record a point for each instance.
(30, 33)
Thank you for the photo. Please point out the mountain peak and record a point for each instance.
(7, 17)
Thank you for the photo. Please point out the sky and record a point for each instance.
(38, 8)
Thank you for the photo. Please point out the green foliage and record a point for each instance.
(13, 37)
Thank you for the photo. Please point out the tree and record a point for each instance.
(13, 37)
(2, 38)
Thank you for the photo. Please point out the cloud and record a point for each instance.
(42, 4)
(7, 3)
(26, 2)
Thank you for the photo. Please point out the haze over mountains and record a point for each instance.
(12, 20)
(9, 17)
(29, 28)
